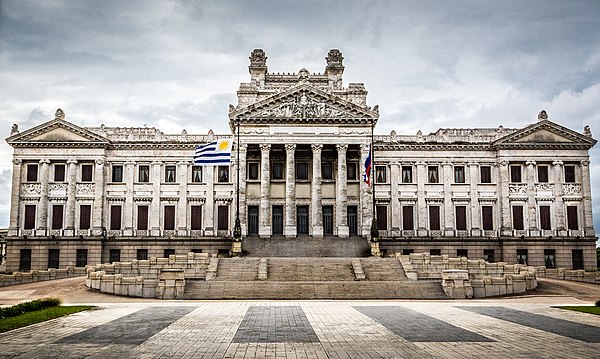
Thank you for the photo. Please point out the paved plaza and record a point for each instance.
(515, 327)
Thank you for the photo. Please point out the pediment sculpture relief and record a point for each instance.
(303, 106)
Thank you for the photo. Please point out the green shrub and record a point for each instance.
(28, 307)
(598, 303)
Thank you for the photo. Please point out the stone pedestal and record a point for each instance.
(375, 251)
(236, 249)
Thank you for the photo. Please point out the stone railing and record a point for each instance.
(464, 278)
(578, 275)
(40, 275)
(162, 278)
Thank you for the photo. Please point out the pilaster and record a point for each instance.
(242, 189)
(586, 191)
(15, 196)
(70, 207)
(128, 205)
(99, 195)
(366, 195)
(42, 216)
(531, 204)
(505, 212)
(181, 219)
(395, 212)
(317, 207)
(342, 193)
(264, 228)
(421, 204)
(559, 208)
(155, 205)
(475, 207)
(290, 191)
(448, 206)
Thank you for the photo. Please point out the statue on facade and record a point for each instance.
(14, 129)
(542, 115)
(60, 115)
(258, 58)
(334, 57)
(586, 131)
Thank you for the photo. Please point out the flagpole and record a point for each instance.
(374, 227)
(237, 230)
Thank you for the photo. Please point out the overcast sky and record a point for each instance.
(176, 65)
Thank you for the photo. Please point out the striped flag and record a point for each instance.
(367, 174)
(214, 153)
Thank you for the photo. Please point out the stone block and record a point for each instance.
(107, 283)
(478, 288)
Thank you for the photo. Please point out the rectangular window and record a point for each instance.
(253, 170)
(459, 174)
(407, 174)
(59, 172)
(569, 174)
(550, 258)
(545, 217)
(85, 216)
(407, 218)
(223, 218)
(488, 255)
(53, 258)
(196, 218)
(169, 223)
(433, 174)
(434, 218)
(462, 253)
(485, 173)
(327, 170)
(142, 218)
(277, 170)
(572, 222)
(277, 220)
(142, 254)
(114, 255)
(515, 174)
(223, 174)
(522, 256)
(86, 173)
(253, 220)
(302, 171)
(168, 252)
(302, 220)
(197, 174)
(577, 258)
(542, 174)
(57, 216)
(144, 174)
(380, 174)
(351, 170)
(517, 212)
(406, 252)
(81, 258)
(29, 217)
(32, 173)
(328, 220)
(382, 217)
(25, 260)
(170, 172)
(435, 252)
(353, 220)
(487, 216)
(115, 218)
(117, 173)
(461, 217)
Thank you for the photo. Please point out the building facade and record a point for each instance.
(99, 194)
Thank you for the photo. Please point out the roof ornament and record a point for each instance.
(543, 115)
(303, 75)
(60, 115)
(15, 129)
(258, 58)
(334, 57)
(587, 131)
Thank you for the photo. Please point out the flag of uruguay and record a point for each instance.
(214, 153)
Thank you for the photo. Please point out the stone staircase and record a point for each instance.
(306, 247)
(310, 278)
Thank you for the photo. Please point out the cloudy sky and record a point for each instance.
(176, 65)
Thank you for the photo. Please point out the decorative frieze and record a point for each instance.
(85, 189)
(571, 189)
(517, 189)
(28, 189)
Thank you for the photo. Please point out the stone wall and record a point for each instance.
(465, 278)
(568, 274)
(40, 275)
(162, 278)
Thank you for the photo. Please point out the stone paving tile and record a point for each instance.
(275, 325)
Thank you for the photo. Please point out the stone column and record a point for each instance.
(242, 189)
(366, 195)
(342, 193)
(559, 210)
(264, 228)
(15, 196)
(99, 188)
(531, 210)
(448, 206)
(475, 208)
(209, 203)
(181, 219)
(71, 189)
(505, 212)
(586, 191)
(422, 215)
(42, 216)
(395, 210)
(317, 207)
(155, 205)
(128, 205)
(290, 191)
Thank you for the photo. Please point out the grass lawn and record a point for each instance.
(583, 309)
(39, 316)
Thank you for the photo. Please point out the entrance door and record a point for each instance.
(252, 220)
(352, 220)
(302, 220)
(577, 255)
(277, 220)
(328, 220)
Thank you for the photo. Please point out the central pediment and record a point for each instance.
(304, 104)
(545, 134)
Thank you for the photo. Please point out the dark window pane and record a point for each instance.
(57, 216)
(351, 171)
(59, 173)
(550, 258)
(196, 217)
(569, 174)
(142, 218)
(114, 255)
(25, 260)
(144, 173)
(382, 217)
(353, 220)
(253, 173)
(29, 217)
(168, 252)
(407, 218)
(435, 252)
(572, 222)
(486, 174)
(277, 220)
(223, 218)
(432, 174)
(85, 215)
(522, 256)
(253, 220)
(302, 171)
(488, 255)
(545, 217)
(115, 217)
(81, 258)
(32, 173)
(487, 218)
(170, 174)
(515, 174)
(406, 174)
(196, 174)
(462, 253)
(407, 251)
(53, 258)
(86, 173)
(542, 174)
(169, 218)
(577, 257)
(302, 219)
(327, 170)
(517, 212)
(328, 220)
(461, 217)
(459, 174)
(380, 174)
(142, 254)
(434, 218)
(223, 174)
(277, 170)
(117, 173)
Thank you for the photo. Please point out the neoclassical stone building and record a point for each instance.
(86, 195)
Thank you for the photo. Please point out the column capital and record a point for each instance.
(71, 161)
(472, 164)
(557, 163)
(342, 147)
(99, 161)
(585, 163)
(290, 147)
(316, 147)
(530, 163)
(265, 147)
(17, 161)
(503, 163)
(45, 161)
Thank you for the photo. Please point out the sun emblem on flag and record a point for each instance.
(223, 146)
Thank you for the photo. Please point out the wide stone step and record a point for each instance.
(383, 269)
(306, 247)
(237, 269)
(313, 269)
